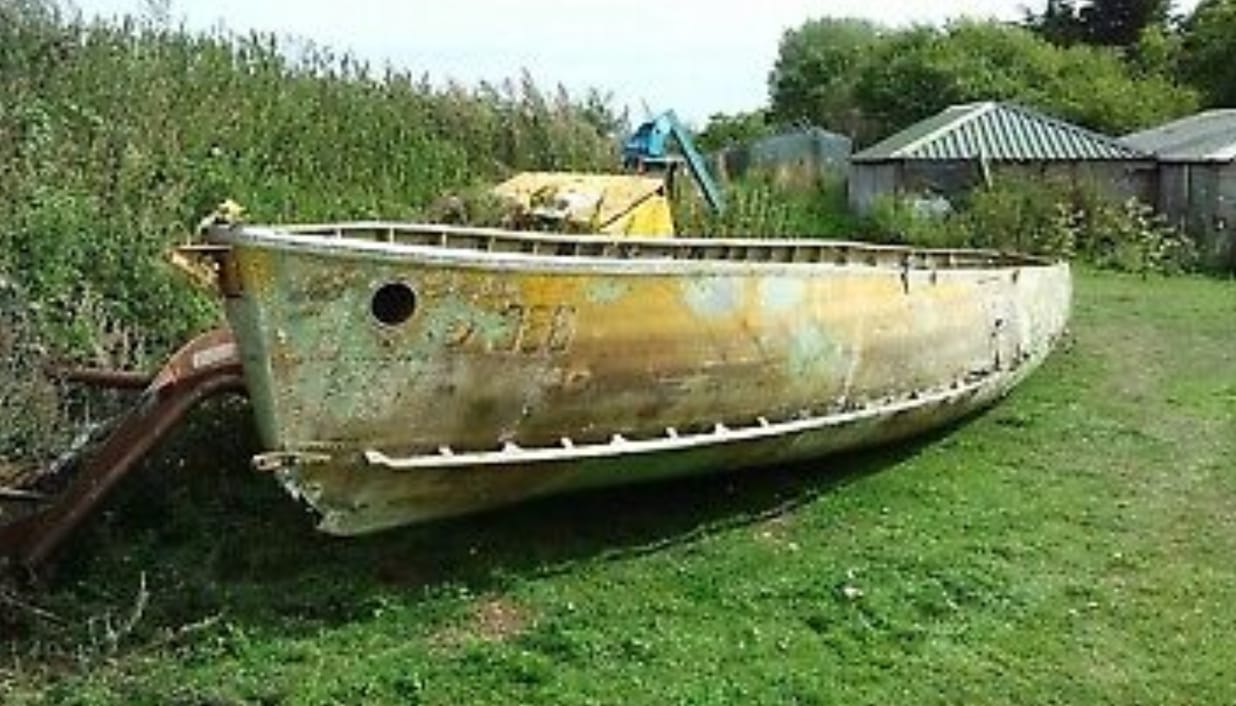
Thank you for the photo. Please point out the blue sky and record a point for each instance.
(699, 57)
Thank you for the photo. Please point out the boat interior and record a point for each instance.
(774, 250)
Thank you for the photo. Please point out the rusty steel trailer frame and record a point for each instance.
(205, 367)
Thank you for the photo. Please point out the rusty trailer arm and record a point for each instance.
(207, 366)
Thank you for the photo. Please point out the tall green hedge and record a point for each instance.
(116, 138)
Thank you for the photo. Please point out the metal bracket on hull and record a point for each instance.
(208, 365)
(279, 460)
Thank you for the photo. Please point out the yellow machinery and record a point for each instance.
(618, 204)
(612, 204)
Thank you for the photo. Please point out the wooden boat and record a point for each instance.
(406, 372)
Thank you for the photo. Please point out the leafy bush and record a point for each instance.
(758, 207)
(1130, 236)
(1044, 217)
(1022, 215)
(908, 221)
(31, 408)
(1054, 218)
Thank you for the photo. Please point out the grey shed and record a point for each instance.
(1197, 179)
(951, 152)
(798, 155)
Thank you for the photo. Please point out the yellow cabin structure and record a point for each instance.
(610, 204)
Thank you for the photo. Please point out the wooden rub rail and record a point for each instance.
(683, 248)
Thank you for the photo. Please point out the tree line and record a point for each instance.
(1111, 65)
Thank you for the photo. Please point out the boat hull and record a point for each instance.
(521, 365)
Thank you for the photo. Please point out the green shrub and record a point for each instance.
(903, 221)
(1022, 215)
(1130, 236)
(758, 206)
(1044, 217)
(32, 410)
(1080, 221)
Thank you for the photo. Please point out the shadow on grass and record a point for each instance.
(213, 537)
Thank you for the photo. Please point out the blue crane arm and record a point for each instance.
(649, 144)
(695, 162)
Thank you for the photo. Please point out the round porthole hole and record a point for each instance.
(393, 303)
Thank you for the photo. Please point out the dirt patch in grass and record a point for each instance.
(491, 620)
(777, 532)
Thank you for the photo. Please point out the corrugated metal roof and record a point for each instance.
(1205, 137)
(1001, 132)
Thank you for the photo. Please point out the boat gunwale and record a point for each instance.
(473, 246)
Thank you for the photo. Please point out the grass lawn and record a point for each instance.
(1074, 545)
